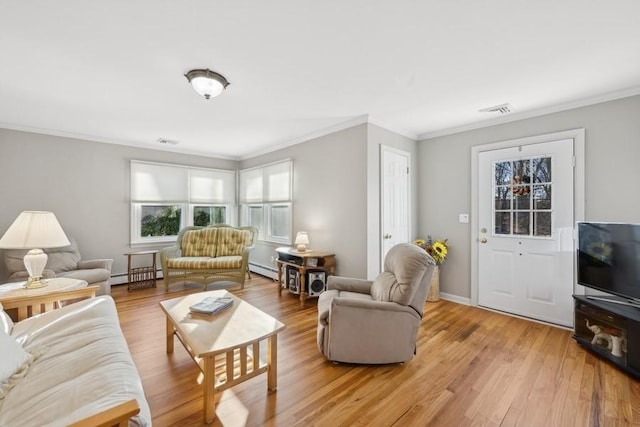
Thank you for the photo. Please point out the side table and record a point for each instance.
(310, 260)
(141, 277)
(29, 302)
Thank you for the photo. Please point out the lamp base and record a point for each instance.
(302, 248)
(35, 283)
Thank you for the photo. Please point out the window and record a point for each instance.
(166, 198)
(265, 200)
(522, 197)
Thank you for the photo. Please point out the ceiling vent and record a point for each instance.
(166, 141)
(502, 109)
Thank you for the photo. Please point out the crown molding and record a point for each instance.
(93, 138)
(358, 120)
(584, 102)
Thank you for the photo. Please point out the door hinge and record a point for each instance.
(407, 170)
(573, 161)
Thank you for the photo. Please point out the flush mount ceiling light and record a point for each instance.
(206, 82)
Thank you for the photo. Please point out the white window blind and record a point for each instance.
(151, 182)
(270, 183)
(212, 186)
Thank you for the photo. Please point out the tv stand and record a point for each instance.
(628, 302)
(609, 327)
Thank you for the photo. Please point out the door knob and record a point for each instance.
(483, 240)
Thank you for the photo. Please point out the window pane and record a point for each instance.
(280, 221)
(207, 215)
(160, 220)
(503, 198)
(503, 223)
(542, 224)
(521, 223)
(502, 173)
(256, 218)
(521, 202)
(542, 169)
(542, 196)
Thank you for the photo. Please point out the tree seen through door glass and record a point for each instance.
(522, 197)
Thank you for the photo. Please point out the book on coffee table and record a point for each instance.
(211, 305)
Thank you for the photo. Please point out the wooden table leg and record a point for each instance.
(170, 331)
(209, 389)
(272, 362)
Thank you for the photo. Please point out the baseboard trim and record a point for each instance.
(455, 298)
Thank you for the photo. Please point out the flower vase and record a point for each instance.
(434, 285)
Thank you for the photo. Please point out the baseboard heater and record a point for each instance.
(264, 270)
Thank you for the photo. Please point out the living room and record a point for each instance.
(85, 180)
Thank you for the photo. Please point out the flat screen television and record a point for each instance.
(609, 260)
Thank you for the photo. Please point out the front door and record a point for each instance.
(525, 221)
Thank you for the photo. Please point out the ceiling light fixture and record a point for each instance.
(207, 83)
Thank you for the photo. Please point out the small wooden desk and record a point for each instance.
(303, 261)
(141, 277)
(29, 302)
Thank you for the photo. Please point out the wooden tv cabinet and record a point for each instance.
(609, 329)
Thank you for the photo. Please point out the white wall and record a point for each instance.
(329, 195)
(86, 184)
(612, 150)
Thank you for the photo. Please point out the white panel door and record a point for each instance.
(526, 218)
(394, 199)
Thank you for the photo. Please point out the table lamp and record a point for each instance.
(302, 240)
(34, 230)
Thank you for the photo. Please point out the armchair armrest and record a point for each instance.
(95, 263)
(349, 284)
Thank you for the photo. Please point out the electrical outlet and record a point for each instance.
(273, 259)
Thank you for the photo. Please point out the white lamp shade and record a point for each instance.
(302, 238)
(34, 229)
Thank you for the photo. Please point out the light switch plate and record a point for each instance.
(463, 218)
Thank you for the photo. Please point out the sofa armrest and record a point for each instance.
(115, 416)
(349, 284)
(95, 263)
(21, 276)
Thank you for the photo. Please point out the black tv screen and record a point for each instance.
(609, 258)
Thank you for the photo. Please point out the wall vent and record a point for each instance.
(167, 141)
(502, 109)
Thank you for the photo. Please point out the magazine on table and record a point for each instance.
(212, 305)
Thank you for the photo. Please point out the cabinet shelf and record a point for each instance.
(610, 330)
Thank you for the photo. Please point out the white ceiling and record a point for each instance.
(113, 71)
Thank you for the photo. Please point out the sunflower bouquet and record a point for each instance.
(438, 249)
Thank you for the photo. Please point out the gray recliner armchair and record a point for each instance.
(63, 262)
(376, 322)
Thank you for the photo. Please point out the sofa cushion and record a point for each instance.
(12, 358)
(83, 367)
(205, 262)
(232, 241)
(200, 243)
(63, 259)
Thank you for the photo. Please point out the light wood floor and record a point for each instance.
(473, 367)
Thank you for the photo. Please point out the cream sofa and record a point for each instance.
(78, 369)
(63, 262)
(208, 254)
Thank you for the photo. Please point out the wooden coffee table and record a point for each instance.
(227, 345)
